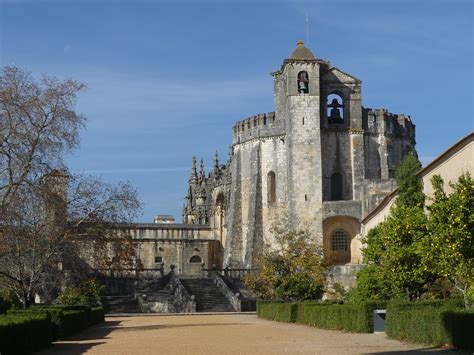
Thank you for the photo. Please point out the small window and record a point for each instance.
(336, 187)
(339, 241)
(271, 187)
(158, 259)
(195, 259)
(303, 83)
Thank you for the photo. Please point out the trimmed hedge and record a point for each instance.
(66, 320)
(431, 322)
(350, 317)
(23, 334)
(277, 310)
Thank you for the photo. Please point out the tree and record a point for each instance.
(410, 185)
(395, 248)
(293, 269)
(451, 226)
(37, 126)
(48, 216)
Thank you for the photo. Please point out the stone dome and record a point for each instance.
(301, 52)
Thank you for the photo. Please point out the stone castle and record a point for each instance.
(320, 159)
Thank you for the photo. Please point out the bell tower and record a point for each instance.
(297, 102)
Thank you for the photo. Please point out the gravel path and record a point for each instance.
(223, 334)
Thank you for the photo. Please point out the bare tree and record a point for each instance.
(48, 217)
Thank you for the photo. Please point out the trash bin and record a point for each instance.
(379, 320)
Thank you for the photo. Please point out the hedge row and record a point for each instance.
(23, 334)
(277, 310)
(435, 323)
(57, 322)
(356, 318)
(350, 317)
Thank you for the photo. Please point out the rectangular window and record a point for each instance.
(158, 259)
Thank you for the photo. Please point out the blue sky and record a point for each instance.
(168, 79)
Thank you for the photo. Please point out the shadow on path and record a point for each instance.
(69, 345)
(81, 342)
(427, 351)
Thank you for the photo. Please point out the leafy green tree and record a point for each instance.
(395, 248)
(410, 185)
(451, 226)
(293, 270)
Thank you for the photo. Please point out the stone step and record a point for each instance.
(208, 296)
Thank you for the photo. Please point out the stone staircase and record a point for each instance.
(121, 304)
(208, 297)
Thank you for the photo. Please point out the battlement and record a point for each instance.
(257, 126)
(383, 122)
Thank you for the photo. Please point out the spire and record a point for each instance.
(216, 163)
(193, 177)
(201, 170)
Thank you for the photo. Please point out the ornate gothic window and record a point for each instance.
(336, 187)
(303, 83)
(195, 259)
(271, 187)
(335, 109)
(339, 241)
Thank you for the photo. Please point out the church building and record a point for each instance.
(320, 160)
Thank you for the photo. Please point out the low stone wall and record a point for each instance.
(345, 275)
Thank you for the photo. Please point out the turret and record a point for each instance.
(193, 177)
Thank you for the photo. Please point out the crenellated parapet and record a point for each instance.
(257, 126)
(380, 121)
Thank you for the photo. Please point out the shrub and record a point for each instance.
(88, 293)
(97, 315)
(356, 317)
(24, 333)
(66, 320)
(277, 310)
(435, 322)
(8, 300)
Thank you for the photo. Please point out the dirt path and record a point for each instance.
(222, 334)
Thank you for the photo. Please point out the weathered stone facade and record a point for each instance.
(321, 159)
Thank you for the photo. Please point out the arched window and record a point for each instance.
(195, 259)
(339, 241)
(303, 83)
(271, 187)
(335, 109)
(336, 187)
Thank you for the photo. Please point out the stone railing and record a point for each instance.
(222, 279)
(227, 272)
(183, 301)
(234, 298)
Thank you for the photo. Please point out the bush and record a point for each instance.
(8, 300)
(356, 317)
(97, 315)
(277, 310)
(431, 322)
(24, 333)
(66, 320)
(88, 293)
